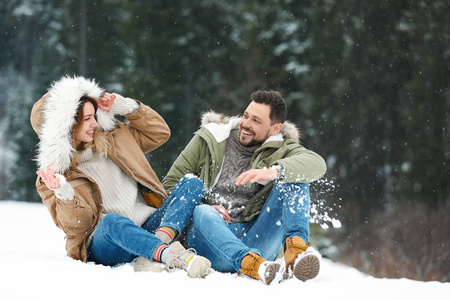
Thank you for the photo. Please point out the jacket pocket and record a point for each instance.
(75, 217)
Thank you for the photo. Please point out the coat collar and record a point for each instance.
(220, 126)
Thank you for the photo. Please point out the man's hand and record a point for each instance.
(106, 101)
(223, 211)
(255, 175)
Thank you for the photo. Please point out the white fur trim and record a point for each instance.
(105, 120)
(221, 131)
(220, 125)
(213, 117)
(55, 147)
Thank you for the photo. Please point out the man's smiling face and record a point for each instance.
(255, 126)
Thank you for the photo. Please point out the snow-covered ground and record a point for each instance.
(33, 265)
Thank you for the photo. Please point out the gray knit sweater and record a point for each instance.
(225, 192)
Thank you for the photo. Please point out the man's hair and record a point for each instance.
(278, 107)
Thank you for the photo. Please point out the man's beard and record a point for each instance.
(253, 141)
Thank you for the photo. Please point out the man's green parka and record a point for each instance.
(204, 154)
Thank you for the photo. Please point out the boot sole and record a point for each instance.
(198, 267)
(145, 265)
(273, 273)
(307, 268)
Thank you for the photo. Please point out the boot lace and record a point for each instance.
(252, 268)
(298, 248)
(185, 256)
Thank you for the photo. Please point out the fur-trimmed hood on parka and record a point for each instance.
(211, 119)
(53, 118)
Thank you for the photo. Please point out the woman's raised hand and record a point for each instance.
(50, 180)
(106, 101)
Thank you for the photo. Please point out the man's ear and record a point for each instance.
(276, 129)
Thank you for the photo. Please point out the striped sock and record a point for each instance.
(158, 254)
(166, 234)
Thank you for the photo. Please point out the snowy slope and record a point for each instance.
(33, 265)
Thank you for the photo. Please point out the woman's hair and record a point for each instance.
(79, 114)
(100, 144)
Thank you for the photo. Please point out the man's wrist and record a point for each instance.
(281, 171)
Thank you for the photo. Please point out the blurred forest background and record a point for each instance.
(367, 82)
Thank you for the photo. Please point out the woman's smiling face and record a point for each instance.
(84, 132)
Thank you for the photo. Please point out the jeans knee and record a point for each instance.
(199, 211)
(192, 179)
(202, 212)
(291, 189)
(113, 221)
(193, 182)
(294, 185)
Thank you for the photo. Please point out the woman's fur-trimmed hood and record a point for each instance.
(289, 130)
(53, 118)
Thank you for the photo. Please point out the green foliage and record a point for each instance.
(366, 81)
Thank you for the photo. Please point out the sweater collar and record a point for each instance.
(86, 155)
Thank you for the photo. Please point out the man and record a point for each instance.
(256, 199)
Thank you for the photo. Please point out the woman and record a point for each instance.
(98, 185)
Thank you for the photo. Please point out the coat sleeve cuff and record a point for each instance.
(124, 106)
(65, 191)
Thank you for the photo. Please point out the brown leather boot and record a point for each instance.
(258, 268)
(301, 261)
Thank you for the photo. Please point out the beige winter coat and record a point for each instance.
(145, 131)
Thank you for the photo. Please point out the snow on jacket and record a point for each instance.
(52, 118)
(203, 157)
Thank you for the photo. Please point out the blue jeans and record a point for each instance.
(118, 240)
(285, 214)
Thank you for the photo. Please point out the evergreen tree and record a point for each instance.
(183, 64)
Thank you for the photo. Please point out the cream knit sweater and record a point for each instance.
(119, 191)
